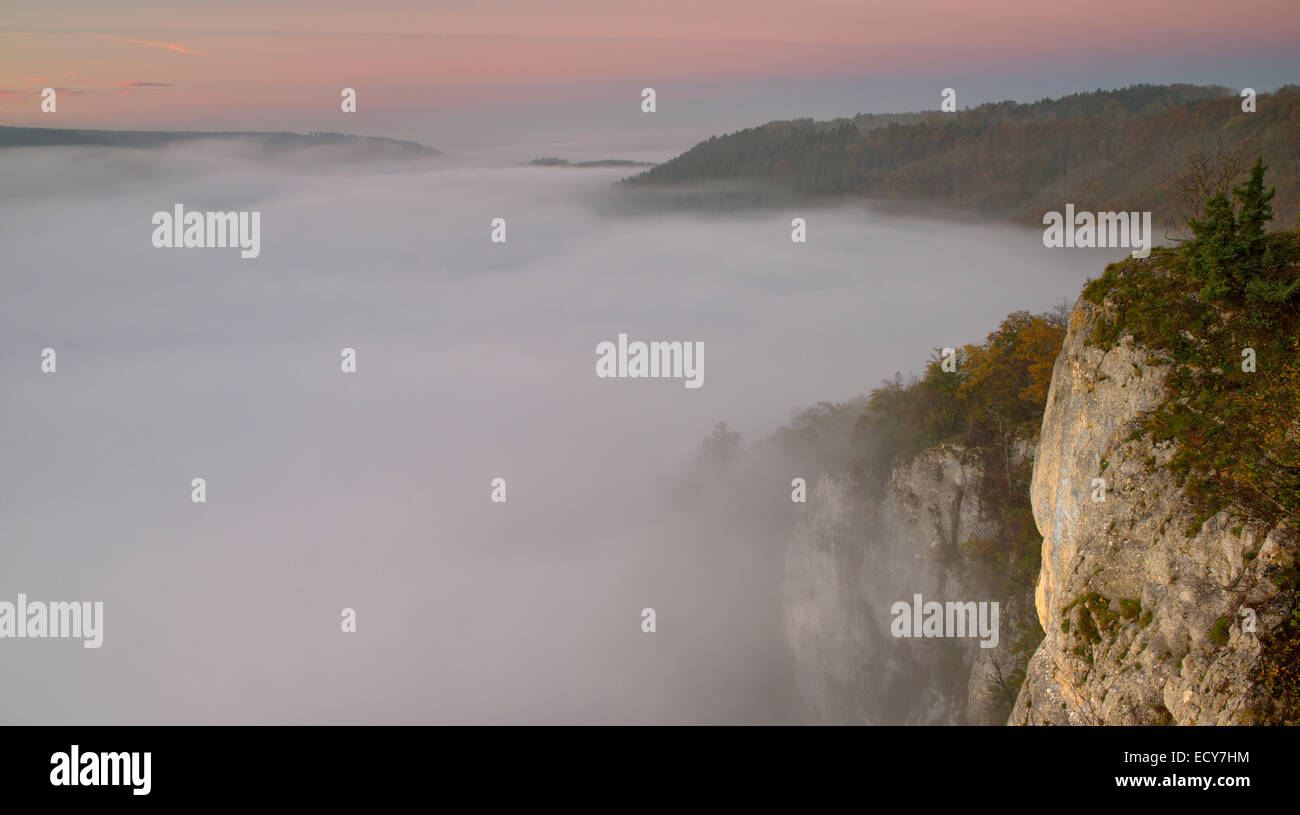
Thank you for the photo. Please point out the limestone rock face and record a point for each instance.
(1143, 616)
(852, 558)
(1149, 618)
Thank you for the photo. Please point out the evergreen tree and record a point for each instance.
(1254, 255)
(1212, 249)
(1231, 251)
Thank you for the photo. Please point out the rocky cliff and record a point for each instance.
(861, 549)
(1148, 619)
(1134, 519)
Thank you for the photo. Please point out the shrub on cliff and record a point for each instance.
(1222, 311)
(996, 394)
(1231, 252)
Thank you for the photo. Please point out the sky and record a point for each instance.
(451, 73)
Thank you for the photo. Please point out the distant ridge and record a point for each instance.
(370, 146)
(1124, 149)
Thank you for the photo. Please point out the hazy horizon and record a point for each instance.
(452, 74)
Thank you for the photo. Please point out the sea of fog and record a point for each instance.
(371, 490)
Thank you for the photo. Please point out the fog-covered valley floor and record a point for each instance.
(371, 490)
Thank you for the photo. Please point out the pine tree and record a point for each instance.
(1231, 250)
(1212, 249)
(1254, 255)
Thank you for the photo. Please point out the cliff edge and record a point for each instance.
(1153, 613)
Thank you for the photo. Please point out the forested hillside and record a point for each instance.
(269, 141)
(1129, 149)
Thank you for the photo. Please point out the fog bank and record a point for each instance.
(475, 361)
